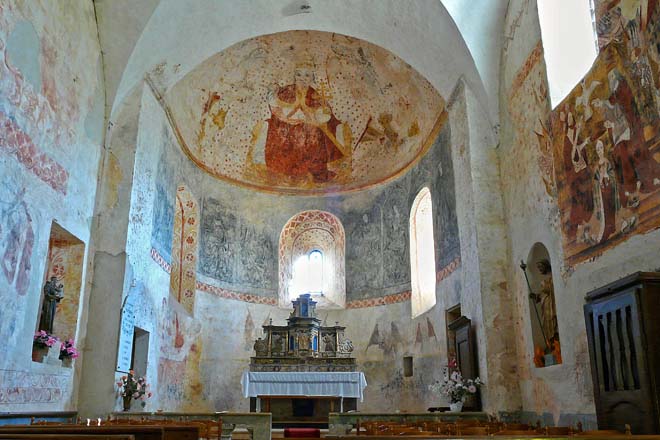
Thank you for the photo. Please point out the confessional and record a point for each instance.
(623, 327)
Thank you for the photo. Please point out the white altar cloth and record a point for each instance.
(304, 383)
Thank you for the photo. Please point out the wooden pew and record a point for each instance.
(66, 437)
(140, 432)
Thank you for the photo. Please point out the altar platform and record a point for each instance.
(303, 398)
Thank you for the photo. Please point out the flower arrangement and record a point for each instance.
(43, 339)
(68, 350)
(455, 387)
(131, 387)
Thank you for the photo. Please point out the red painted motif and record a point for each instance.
(15, 142)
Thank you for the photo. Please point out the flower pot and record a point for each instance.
(39, 352)
(456, 406)
(127, 403)
(67, 361)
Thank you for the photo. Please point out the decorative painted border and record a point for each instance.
(448, 270)
(534, 56)
(215, 290)
(379, 301)
(256, 299)
(14, 141)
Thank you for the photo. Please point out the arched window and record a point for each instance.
(570, 43)
(308, 274)
(422, 254)
(311, 254)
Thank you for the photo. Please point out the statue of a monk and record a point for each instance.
(52, 296)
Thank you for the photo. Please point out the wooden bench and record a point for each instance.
(11, 418)
(139, 432)
(67, 437)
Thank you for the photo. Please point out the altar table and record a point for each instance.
(303, 383)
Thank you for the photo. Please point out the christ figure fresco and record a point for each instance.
(303, 135)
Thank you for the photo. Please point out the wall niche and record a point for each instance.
(64, 267)
(542, 308)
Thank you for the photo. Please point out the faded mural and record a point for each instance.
(605, 137)
(51, 114)
(305, 112)
(598, 147)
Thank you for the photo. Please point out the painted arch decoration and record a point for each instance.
(306, 232)
(305, 112)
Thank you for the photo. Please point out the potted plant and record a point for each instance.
(41, 343)
(456, 388)
(131, 387)
(68, 352)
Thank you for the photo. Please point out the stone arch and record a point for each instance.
(303, 233)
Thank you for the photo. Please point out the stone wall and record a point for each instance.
(51, 132)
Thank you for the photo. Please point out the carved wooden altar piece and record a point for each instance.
(303, 344)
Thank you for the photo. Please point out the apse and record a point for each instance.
(305, 112)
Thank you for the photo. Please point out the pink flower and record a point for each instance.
(472, 389)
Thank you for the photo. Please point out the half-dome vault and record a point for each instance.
(305, 112)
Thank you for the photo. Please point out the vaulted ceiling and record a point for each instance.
(443, 40)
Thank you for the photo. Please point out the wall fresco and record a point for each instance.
(235, 250)
(605, 139)
(305, 112)
(47, 161)
(183, 273)
(179, 357)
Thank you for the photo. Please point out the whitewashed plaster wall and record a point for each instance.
(51, 134)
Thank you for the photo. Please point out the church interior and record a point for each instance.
(304, 218)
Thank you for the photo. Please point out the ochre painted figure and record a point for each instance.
(303, 136)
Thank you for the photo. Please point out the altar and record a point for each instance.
(304, 384)
(303, 371)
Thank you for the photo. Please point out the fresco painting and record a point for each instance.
(179, 358)
(305, 112)
(605, 138)
(183, 273)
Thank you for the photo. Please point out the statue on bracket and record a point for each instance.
(52, 296)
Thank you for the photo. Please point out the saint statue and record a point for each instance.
(303, 135)
(52, 296)
(329, 343)
(261, 347)
(546, 301)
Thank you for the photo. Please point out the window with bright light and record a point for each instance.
(422, 254)
(312, 252)
(308, 274)
(570, 43)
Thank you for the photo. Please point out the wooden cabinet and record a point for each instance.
(623, 330)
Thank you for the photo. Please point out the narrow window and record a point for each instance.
(422, 254)
(570, 43)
